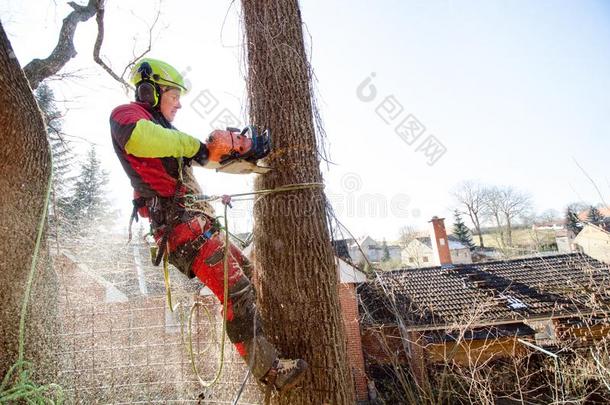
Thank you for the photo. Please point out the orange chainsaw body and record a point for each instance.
(227, 145)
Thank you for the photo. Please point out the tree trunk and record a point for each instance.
(24, 174)
(296, 275)
(500, 231)
(509, 231)
(477, 225)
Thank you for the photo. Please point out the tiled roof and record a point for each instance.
(140, 278)
(128, 268)
(489, 292)
(426, 241)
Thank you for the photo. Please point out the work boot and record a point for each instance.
(285, 373)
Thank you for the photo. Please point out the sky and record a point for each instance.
(415, 96)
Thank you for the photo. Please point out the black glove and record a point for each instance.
(201, 156)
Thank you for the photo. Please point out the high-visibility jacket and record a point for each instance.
(148, 147)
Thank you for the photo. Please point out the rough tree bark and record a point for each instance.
(296, 275)
(24, 173)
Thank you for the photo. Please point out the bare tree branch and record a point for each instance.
(601, 196)
(100, 39)
(471, 195)
(99, 18)
(39, 69)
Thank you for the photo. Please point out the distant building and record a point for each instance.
(548, 226)
(372, 249)
(564, 239)
(421, 252)
(594, 241)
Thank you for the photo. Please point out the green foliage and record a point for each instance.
(88, 201)
(573, 224)
(461, 231)
(594, 216)
(62, 154)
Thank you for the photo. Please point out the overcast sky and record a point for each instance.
(415, 96)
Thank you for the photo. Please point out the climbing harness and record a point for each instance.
(189, 201)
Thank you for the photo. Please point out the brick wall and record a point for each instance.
(349, 306)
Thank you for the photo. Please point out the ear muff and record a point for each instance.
(148, 92)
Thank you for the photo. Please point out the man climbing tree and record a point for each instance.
(296, 272)
(158, 160)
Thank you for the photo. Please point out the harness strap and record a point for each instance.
(171, 217)
(137, 204)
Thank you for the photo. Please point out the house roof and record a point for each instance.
(454, 243)
(490, 292)
(128, 269)
(595, 229)
(348, 273)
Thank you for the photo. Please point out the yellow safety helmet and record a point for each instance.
(149, 75)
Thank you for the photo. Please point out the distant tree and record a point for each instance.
(594, 216)
(578, 207)
(385, 251)
(573, 224)
(548, 216)
(406, 234)
(412, 253)
(88, 202)
(61, 152)
(514, 203)
(505, 204)
(471, 196)
(492, 210)
(461, 231)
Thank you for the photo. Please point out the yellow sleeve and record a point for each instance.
(150, 140)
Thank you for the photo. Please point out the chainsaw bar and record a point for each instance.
(241, 166)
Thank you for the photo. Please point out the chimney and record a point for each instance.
(439, 241)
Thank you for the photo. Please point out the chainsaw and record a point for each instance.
(238, 151)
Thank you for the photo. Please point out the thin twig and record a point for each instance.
(592, 182)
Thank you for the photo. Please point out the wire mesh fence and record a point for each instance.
(117, 341)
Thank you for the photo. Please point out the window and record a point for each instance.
(411, 259)
(425, 259)
(442, 241)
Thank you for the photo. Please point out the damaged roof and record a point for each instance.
(489, 292)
